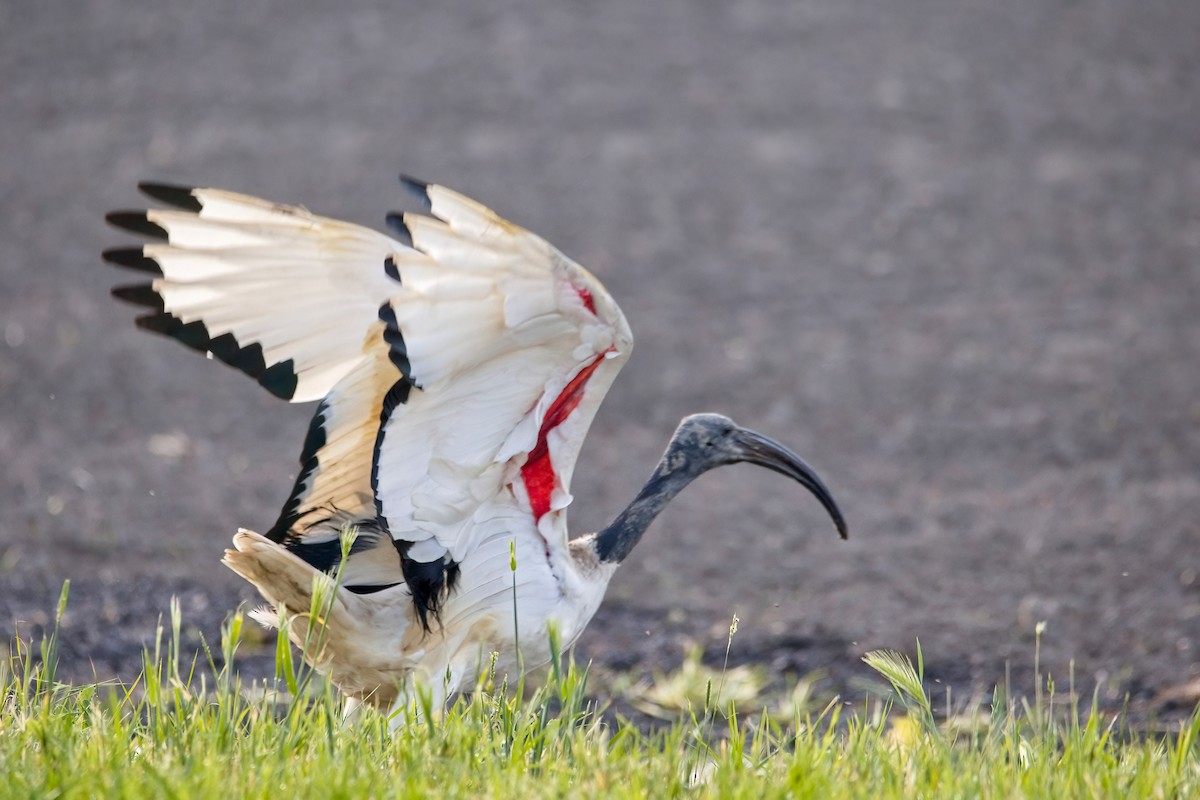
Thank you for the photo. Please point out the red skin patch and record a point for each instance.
(586, 297)
(538, 471)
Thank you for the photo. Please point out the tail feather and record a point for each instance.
(281, 577)
(364, 643)
(288, 584)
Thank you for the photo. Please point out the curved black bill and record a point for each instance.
(758, 449)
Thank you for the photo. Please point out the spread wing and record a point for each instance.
(457, 376)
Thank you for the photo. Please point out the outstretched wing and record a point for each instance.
(458, 376)
(510, 347)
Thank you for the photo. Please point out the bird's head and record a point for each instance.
(705, 441)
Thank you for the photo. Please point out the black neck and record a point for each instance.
(616, 541)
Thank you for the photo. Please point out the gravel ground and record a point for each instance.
(949, 251)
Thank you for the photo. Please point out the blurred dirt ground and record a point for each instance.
(948, 251)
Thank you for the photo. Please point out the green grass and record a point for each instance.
(175, 733)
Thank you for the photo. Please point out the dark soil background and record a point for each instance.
(948, 250)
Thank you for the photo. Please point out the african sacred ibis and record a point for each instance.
(457, 372)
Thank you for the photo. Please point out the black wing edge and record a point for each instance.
(418, 189)
(173, 195)
(136, 222)
(133, 258)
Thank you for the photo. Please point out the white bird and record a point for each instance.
(458, 367)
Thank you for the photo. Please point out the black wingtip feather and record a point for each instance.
(178, 196)
(395, 224)
(280, 379)
(141, 294)
(136, 222)
(391, 270)
(132, 258)
(191, 334)
(249, 358)
(417, 188)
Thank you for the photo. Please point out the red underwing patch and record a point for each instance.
(538, 471)
(588, 302)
